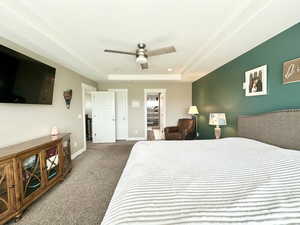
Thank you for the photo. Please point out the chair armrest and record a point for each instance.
(171, 129)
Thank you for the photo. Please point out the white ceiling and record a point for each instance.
(206, 33)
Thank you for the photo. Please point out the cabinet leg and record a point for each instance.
(18, 217)
(62, 178)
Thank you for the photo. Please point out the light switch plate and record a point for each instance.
(135, 104)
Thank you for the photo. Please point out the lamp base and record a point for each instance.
(218, 132)
(194, 117)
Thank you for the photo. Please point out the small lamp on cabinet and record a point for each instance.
(217, 119)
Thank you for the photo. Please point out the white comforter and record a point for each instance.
(226, 181)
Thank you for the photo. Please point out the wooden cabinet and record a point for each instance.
(30, 169)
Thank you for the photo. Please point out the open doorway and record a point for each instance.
(155, 116)
(86, 113)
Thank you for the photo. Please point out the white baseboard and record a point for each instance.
(136, 139)
(76, 154)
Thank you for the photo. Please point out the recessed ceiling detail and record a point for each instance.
(145, 77)
(206, 33)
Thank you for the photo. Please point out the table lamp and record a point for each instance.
(193, 110)
(217, 119)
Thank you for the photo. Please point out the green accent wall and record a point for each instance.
(221, 90)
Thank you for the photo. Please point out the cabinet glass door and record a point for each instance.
(3, 191)
(31, 175)
(52, 163)
(6, 189)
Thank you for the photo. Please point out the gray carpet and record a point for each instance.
(83, 197)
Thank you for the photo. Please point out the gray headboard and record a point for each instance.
(280, 128)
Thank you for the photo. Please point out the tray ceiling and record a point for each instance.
(206, 33)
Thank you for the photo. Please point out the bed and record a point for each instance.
(239, 180)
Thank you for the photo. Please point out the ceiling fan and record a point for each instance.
(142, 53)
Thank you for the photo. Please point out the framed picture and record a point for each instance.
(256, 81)
(291, 71)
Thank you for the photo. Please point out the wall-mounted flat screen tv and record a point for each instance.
(24, 80)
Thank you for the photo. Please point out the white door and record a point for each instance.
(103, 114)
(121, 103)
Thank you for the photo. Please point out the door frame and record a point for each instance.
(84, 89)
(146, 92)
(124, 90)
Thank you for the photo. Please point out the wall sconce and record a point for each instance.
(68, 97)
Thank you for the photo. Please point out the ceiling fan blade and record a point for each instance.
(161, 51)
(120, 52)
(144, 66)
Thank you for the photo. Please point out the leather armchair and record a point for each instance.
(185, 130)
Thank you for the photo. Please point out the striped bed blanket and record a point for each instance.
(226, 181)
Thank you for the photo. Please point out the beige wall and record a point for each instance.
(20, 122)
(178, 97)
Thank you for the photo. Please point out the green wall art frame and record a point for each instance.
(291, 71)
(256, 81)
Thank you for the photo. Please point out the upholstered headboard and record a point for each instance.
(280, 128)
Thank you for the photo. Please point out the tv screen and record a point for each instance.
(24, 80)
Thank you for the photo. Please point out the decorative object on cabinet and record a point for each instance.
(54, 131)
(193, 110)
(291, 71)
(68, 97)
(30, 169)
(256, 81)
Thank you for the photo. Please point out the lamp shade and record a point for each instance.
(193, 110)
(217, 119)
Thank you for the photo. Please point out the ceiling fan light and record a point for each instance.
(141, 59)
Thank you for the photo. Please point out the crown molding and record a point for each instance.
(148, 77)
(24, 25)
(223, 34)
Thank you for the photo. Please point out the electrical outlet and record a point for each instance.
(136, 131)
(75, 144)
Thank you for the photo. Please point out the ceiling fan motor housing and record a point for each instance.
(141, 54)
(141, 50)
